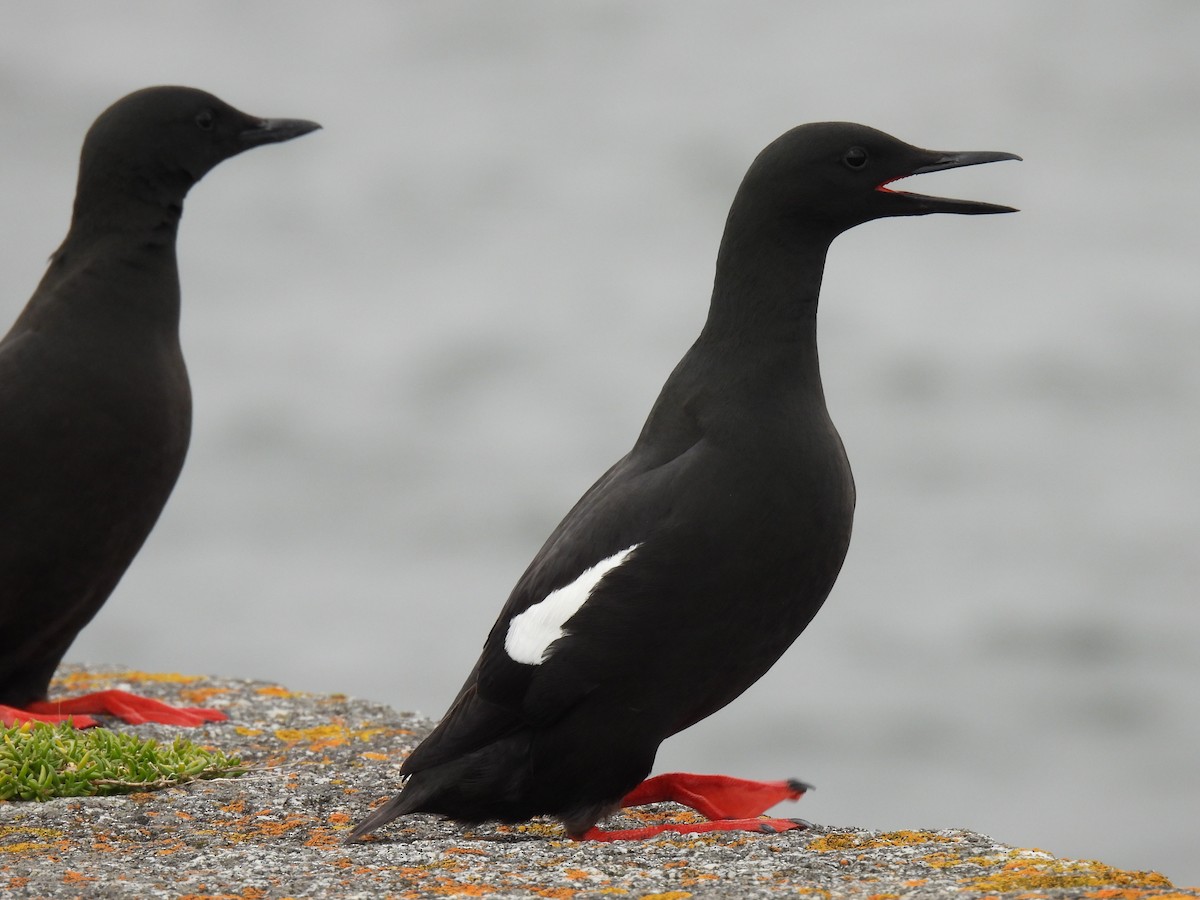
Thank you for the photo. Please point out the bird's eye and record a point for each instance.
(855, 158)
(205, 120)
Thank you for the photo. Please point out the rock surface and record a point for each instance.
(322, 759)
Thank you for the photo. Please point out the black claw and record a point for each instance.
(768, 829)
(799, 786)
(803, 823)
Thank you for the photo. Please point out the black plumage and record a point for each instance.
(95, 407)
(719, 535)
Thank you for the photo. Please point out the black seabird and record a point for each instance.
(95, 407)
(685, 572)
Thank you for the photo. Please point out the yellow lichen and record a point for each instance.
(315, 734)
(851, 841)
(82, 680)
(335, 734)
(542, 829)
(277, 690)
(6, 830)
(1036, 874)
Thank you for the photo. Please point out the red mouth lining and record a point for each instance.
(883, 188)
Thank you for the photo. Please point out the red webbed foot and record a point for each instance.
(10, 715)
(731, 804)
(716, 796)
(760, 825)
(129, 708)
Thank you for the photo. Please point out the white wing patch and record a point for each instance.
(531, 633)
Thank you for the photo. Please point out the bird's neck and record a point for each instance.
(134, 211)
(126, 243)
(765, 292)
(140, 211)
(754, 364)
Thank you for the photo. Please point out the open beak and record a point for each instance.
(920, 204)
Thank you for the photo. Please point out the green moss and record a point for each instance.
(39, 761)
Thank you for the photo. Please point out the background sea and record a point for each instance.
(418, 335)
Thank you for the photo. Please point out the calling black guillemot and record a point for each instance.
(684, 573)
(95, 407)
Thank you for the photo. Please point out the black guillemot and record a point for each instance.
(682, 575)
(95, 405)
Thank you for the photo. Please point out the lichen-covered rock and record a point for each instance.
(322, 759)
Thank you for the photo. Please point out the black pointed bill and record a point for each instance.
(923, 203)
(273, 131)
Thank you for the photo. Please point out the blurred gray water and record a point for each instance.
(417, 336)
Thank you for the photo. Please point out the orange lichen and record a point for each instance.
(668, 895)
(323, 839)
(453, 888)
(1025, 874)
(648, 816)
(277, 690)
(249, 893)
(273, 828)
(260, 825)
(72, 877)
(851, 841)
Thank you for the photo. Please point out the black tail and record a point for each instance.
(408, 800)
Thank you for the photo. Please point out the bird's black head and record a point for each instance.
(173, 136)
(836, 175)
